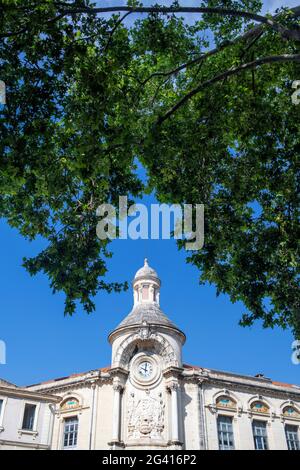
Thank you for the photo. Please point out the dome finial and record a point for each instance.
(145, 272)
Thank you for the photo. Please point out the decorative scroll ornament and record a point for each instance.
(146, 417)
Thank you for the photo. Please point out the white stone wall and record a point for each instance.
(96, 421)
(190, 415)
(82, 412)
(12, 436)
(242, 418)
(197, 421)
(104, 416)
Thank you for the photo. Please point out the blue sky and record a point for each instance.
(42, 343)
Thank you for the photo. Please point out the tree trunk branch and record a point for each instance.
(73, 9)
(180, 9)
(228, 73)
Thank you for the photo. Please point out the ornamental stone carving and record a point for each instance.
(291, 412)
(145, 337)
(144, 332)
(146, 417)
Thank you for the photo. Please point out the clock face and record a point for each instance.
(145, 369)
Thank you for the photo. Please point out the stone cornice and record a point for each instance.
(173, 331)
(58, 387)
(31, 395)
(193, 376)
(203, 377)
(173, 372)
(193, 379)
(251, 388)
(118, 372)
(24, 444)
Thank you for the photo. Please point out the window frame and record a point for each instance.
(288, 440)
(65, 419)
(35, 421)
(263, 437)
(227, 419)
(30, 419)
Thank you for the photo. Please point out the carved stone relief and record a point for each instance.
(145, 338)
(146, 416)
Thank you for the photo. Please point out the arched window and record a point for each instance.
(69, 403)
(290, 412)
(225, 401)
(259, 407)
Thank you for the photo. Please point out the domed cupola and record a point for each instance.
(146, 295)
(146, 313)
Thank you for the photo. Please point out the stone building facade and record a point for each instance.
(26, 418)
(149, 399)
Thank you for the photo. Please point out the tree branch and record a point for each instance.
(206, 10)
(25, 28)
(162, 9)
(228, 73)
(73, 10)
(200, 58)
(114, 29)
(255, 32)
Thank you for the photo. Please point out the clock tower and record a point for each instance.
(146, 369)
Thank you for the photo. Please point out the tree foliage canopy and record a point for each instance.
(206, 107)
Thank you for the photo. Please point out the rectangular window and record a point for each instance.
(292, 437)
(70, 432)
(225, 433)
(28, 418)
(260, 435)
